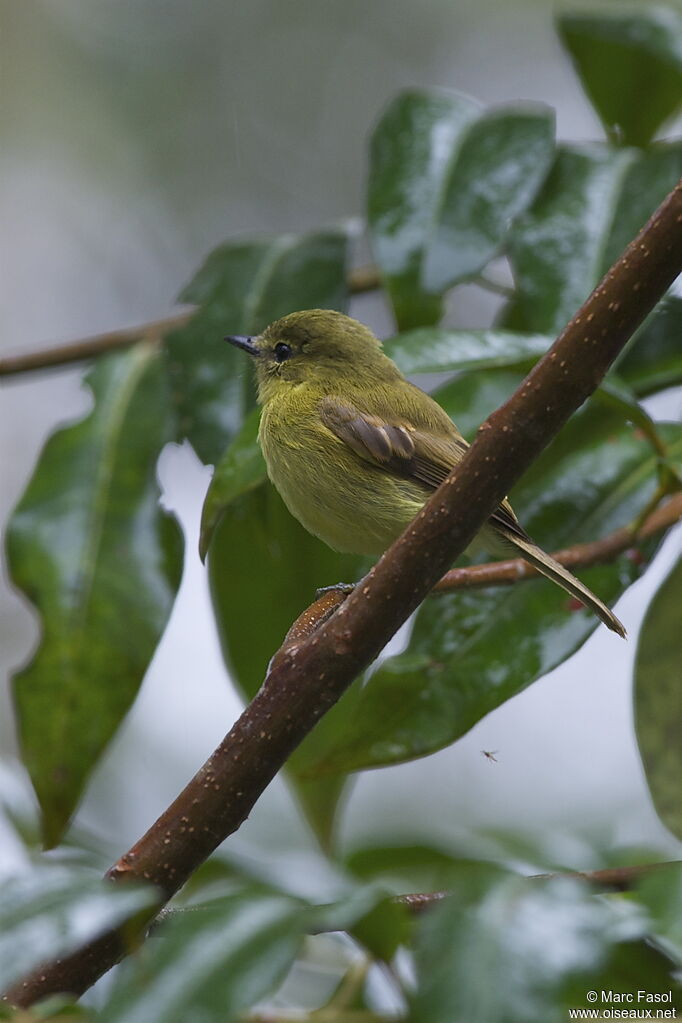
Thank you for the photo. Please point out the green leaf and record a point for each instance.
(658, 699)
(653, 361)
(493, 176)
(241, 468)
(209, 964)
(264, 569)
(622, 57)
(593, 203)
(557, 247)
(53, 910)
(439, 349)
(240, 289)
(472, 650)
(546, 943)
(446, 180)
(661, 892)
(471, 397)
(370, 915)
(410, 154)
(614, 393)
(648, 179)
(415, 868)
(92, 550)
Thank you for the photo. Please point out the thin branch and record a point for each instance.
(510, 572)
(364, 278)
(617, 878)
(313, 673)
(88, 347)
(580, 555)
(620, 879)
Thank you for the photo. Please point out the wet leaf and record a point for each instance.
(593, 203)
(622, 56)
(493, 176)
(101, 561)
(653, 361)
(53, 910)
(439, 349)
(410, 153)
(557, 248)
(241, 468)
(658, 699)
(211, 963)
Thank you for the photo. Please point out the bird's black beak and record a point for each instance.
(246, 343)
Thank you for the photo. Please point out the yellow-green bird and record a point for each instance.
(355, 449)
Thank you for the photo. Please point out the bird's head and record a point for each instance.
(316, 346)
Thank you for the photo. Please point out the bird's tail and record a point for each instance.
(545, 564)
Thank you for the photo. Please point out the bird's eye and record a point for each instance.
(282, 351)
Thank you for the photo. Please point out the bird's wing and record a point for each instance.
(423, 454)
(394, 443)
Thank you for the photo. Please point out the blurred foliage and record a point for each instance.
(451, 187)
(658, 698)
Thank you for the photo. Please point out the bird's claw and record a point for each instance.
(340, 587)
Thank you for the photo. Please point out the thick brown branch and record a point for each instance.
(311, 675)
(364, 278)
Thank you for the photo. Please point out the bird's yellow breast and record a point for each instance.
(353, 506)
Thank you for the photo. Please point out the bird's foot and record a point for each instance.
(339, 587)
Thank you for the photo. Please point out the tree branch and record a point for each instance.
(507, 573)
(621, 879)
(89, 347)
(580, 555)
(312, 674)
(364, 278)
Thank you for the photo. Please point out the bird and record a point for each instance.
(355, 449)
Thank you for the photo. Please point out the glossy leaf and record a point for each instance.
(493, 176)
(264, 570)
(241, 468)
(557, 247)
(209, 964)
(614, 393)
(53, 910)
(468, 652)
(648, 178)
(622, 57)
(471, 397)
(240, 289)
(547, 944)
(439, 349)
(101, 561)
(410, 154)
(593, 203)
(658, 699)
(653, 361)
